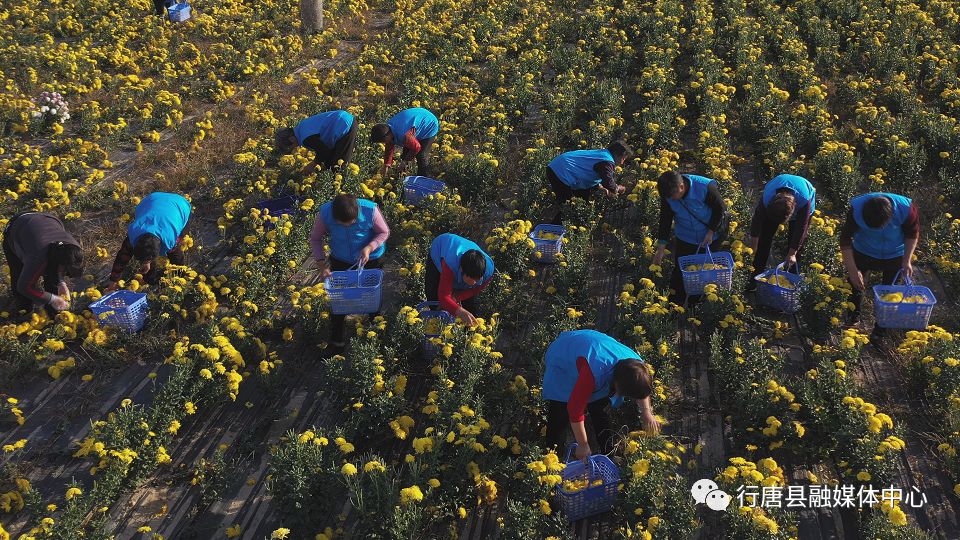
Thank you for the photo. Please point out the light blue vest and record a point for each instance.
(449, 247)
(803, 191)
(330, 126)
(602, 353)
(691, 213)
(575, 168)
(163, 215)
(422, 120)
(346, 241)
(885, 242)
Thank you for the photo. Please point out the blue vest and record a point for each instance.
(422, 120)
(691, 213)
(449, 247)
(163, 215)
(803, 191)
(602, 353)
(330, 126)
(887, 241)
(346, 241)
(575, 169)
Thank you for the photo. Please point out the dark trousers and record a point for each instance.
(765, 243)
(598, 415)
(160, 7)
(342, 150)
(174, 256)
(338, 322)
(564, 193)
(432, 286)
(50, 276)
(423, 156)
(682, 249)
(866, 264)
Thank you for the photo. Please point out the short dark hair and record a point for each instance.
(633, 378)
(379, 133)
(669, 184)
(877, 211)
(620, 149)
(67, 255)
(282, 141)
(781, 207)
(345, 208)
(473, 264)
(147, 247)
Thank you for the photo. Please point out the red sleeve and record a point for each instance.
(445, 291)
(911, 227)
(411, 143)
(467, 294)
(388, 154)
(582, 391)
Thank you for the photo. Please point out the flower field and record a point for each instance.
(219, 419)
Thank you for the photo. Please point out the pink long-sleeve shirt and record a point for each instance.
(381, 231)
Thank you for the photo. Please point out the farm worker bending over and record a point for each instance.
(37, 245)
(581, 172)
(586, 371)
(786, 198)
(415, 130)
(460, 270)
(693, 203)
(331, 135)
(155, 231)
(881, 232)
(358, 235)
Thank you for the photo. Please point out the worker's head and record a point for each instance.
(877, 211)
(621, 151)
(381, 134)
(781, 207)
(67, 257)
(147, 248)
(670, 185)
(632, 379)
(345, 209)
(473, 265)
(285, 141)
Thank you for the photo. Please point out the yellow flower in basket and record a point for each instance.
(779, 281)
(703, 267)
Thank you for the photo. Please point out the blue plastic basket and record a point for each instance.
(417, 188)
(548, 249)
(591, 500)
(179, 12)
(430, 310)
(694, 281)
(288, 205)
(777, 297)
(909, 316)
(124, 309)
(354, 292)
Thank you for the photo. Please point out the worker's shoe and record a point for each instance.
(853, 319)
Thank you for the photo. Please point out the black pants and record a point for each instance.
(598, 414)
(682, 249)
(432, 286)
(160, 7)
(765, 243)
(564, 193)
(338, 322)
(51, 277)
(866, 264)
(342, 150)
(423, 156)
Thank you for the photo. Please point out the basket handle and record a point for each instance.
(592, 471)
(709, 255)
(906, 279)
